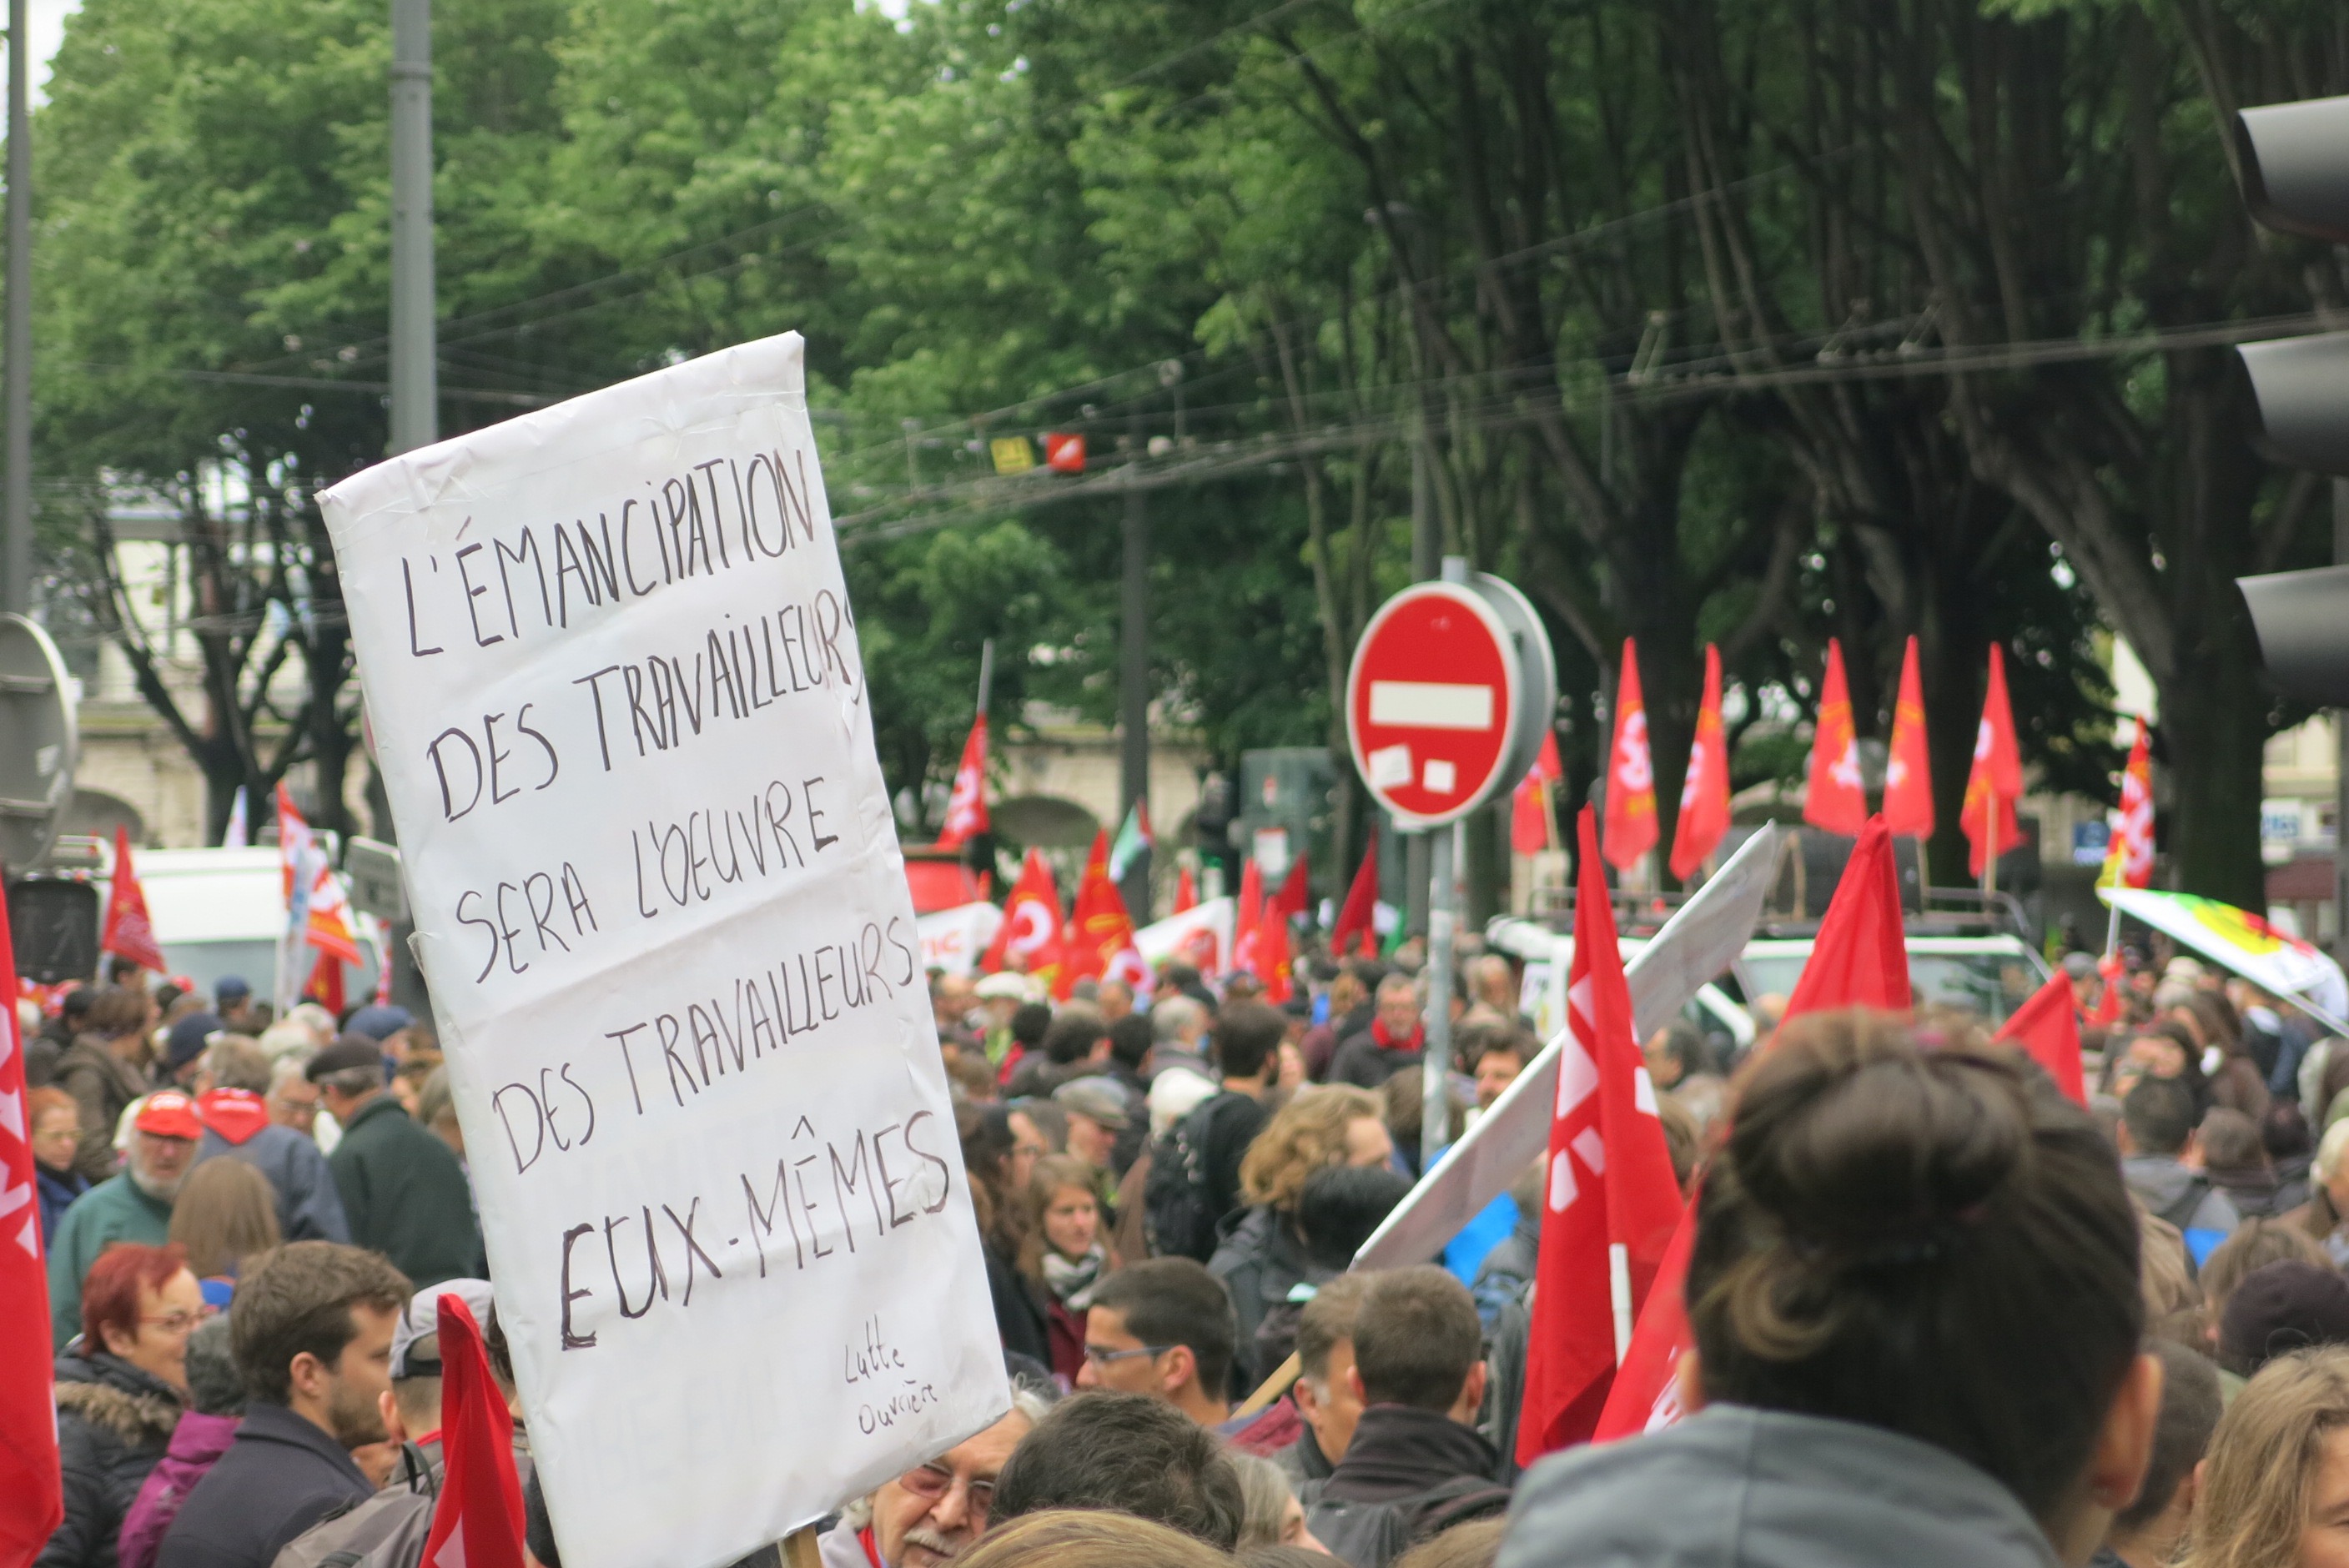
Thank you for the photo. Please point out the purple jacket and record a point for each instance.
(196, 1442)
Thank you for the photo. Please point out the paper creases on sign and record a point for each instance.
(620, 712)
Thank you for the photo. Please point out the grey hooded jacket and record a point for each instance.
(1739, 1488)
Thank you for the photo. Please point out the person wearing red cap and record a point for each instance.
(134, 1206)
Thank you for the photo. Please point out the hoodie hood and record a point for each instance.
(112, 1394)
(235, 1114)
(2157, 1179)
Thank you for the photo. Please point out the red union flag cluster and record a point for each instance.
(1704, 789)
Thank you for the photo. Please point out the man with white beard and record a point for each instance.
(133, 1205)
(934, 1512)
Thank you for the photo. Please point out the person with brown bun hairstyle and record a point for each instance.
(1917, 1318)
(2274, 1491)
(227, 1213)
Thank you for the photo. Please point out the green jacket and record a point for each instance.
(113, 1210)
(406, 1196)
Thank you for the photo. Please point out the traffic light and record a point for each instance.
(2294, 161)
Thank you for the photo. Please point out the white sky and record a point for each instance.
(48, 18)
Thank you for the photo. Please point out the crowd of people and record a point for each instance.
(1939, 1313)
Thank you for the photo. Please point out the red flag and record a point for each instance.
(1630, 777)
(2048, 1029)
(1705, 789)
(325, 984)
(1995, 781)
(2129, 861)
(1272, 952)
(1187, 891)
(1533, 821)
(1860, 959)
(1296, 889)
(1100, 938)
(128, 932)
(1359, 915)
(1834, 799)
(1248, 917)
(478, 1521)
(1909, 769)
(1646, 1397)
(1612, 1201)
(31, 1491)
(1031, 918)
(967, 807)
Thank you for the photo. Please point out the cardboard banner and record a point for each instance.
(2280, 963)
(622, 719)
(952, 939)
(1700, 941)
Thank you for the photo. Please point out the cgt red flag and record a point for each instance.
(1031, 919)
(478, 1521)
(128, 932)
(1533, 819)
(1860, 958)
(1705, 792)
(2047, 1028)
(1859, 972)
(1187, 891)
(1611, 1202)
(31, 1496)
(1834, 799)
(1995, 781)
(967, 807)
(1909, 766)
(1631, 776)
(1247, 918)
(1358, 916)
(1099, 939)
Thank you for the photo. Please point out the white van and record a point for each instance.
(221, 912)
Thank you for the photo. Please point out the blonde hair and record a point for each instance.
(2254, 1497)
(1307, 1135)
(226, 1213)
(1088, 1538)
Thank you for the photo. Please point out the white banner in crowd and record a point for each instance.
(953, 939)
(622, 719)
(1200, 936)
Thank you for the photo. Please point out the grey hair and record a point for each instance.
(1172, 1016)
(285, 1039)
(2329, 1150)
(288, 1068)
(1031, 1396)
(352, 1080)
(1265, 1496)
(236, 1061)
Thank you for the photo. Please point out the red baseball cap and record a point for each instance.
(169, 1114)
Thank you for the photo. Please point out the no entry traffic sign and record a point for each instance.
(1434, 700)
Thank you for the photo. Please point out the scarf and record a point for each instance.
(1071, 1280)
(1387, 1042)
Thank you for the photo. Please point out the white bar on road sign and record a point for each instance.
(1431, 705)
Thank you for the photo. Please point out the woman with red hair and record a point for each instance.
(121, 1386)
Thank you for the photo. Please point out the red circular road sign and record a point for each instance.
(1431, 703)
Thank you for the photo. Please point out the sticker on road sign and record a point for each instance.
(1439, 777)
(1390, 766)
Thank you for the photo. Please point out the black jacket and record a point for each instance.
(1260, 1260)
(403, 1195)
(1407, 1475)
(114, 1422)
(1019, 1314)
(281, 1476)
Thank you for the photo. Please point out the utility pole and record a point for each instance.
(1426, 563)
(16, 510)
(1133, 683)
(415, 376)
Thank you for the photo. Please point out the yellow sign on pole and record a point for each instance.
(1013, 455)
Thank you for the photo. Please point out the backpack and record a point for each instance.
(1373, 1534)
(1177, 1214)
(386, 1531)
(2181, 1212)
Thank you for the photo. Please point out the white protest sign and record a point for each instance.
(622, 720)
(1200, 936)
(1700, 941)
(953, 939)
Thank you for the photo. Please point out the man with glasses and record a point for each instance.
(133, 1206)
(935, 1510)
(1163, 1329)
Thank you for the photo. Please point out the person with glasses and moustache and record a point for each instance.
(934, 1512)
(121, 1385)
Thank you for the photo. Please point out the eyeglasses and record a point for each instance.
(176, 1324)
(932, 1482)
(1100, 1358)
(1038, 1149)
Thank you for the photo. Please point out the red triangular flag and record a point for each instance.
(1296, 889)
(1631, 776)
(31, 1500)
(1835, 799)
(1611, 1202)
(967, 807)
(1358, 916)
(1100, 938)
(1646, 1395)
(478, 1521)
(128, 932)
(1909, 765)
(1248, 917)
(1533, 823)
(1995, 781)
(1031, 918)
(1187, 891)
(2110, 1000)
(1704, 791)
(2047, 1028)
(1860, 959)
(1273, 959)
